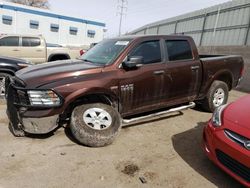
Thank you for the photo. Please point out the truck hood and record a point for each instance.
(38, 75)
(238, 112)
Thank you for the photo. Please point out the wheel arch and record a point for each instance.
(52, 56)
(224, 76)
(101, 96)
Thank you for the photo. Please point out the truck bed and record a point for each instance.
(232, 64)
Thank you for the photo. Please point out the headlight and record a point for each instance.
(43, 98)
(217, 119)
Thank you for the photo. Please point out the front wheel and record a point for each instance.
(95, 124)
(217, 95)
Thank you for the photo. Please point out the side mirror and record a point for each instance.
(133, 62)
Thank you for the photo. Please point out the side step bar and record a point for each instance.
(177, 109)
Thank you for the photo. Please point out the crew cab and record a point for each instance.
(117, 79)
(34, 49)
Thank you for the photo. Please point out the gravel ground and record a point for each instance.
(159, 153)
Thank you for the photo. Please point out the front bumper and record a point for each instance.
(22, 116)
(228, 155)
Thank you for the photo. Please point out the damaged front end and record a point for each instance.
(29, 111)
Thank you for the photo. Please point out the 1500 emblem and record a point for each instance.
(129, 87)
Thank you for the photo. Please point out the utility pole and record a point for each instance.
(122, 7)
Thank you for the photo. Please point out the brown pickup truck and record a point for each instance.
(114, 82)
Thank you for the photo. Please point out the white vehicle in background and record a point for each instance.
(34, 49)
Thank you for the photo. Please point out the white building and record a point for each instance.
(56, 28)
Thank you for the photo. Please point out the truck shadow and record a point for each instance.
(189, 147)
(141, 123)
(43, 136)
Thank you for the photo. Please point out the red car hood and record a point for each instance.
(238, 112)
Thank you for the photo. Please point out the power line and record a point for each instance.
(122, 7)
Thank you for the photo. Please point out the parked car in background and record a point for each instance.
(116, 79)
(8, 67)
(227, 139)
(34, 49)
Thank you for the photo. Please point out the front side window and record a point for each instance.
(105, 52)
(150, 51)
(30, 41)
(178, 50)
(9, 41)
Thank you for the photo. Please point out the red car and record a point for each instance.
(227, 139)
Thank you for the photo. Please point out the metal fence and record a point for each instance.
(227, 24)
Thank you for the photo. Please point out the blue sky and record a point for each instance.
(139, 12)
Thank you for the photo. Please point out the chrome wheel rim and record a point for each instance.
(219, 97)
(97, 118)
(2, 86)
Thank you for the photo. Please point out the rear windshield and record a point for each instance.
(105, 52)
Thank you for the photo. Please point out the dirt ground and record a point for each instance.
(161, 153)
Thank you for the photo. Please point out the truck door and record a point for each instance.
(9, 46)
(33, 49)
(144, 86)
(184, 70)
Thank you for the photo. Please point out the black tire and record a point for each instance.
(2, 92)
(207, 103)
(89, 136)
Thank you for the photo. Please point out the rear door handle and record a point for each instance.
(195, 67)
(159, 72)
(39, 50)
(15, 50)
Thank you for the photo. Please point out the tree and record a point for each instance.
(34, 3)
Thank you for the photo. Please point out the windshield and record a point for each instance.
(105, 52)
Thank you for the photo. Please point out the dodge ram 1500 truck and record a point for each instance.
(118, 78)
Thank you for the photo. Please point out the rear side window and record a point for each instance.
(178, 50)
(9, 41)
(150, 51)
(30, 41)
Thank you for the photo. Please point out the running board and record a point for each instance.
(177, 109)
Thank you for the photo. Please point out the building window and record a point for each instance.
(73, 30)
(91, 33)
(54, 27)
(7, 20)
(34, 24)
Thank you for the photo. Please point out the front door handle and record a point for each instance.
(159, 72)
(15, 50)
(195, 67)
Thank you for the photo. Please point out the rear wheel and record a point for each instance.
(95, 124)
(217, 95)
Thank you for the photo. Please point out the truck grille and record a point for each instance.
(233, 165)
(15, 92)
(11, 109)
(241, 140)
